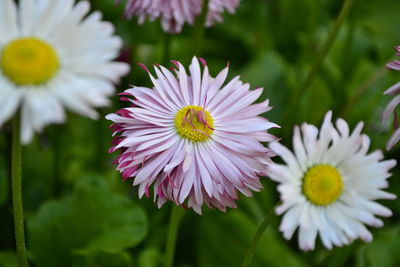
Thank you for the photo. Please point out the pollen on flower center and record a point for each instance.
(194, 123)
(29, 61)
(322, 184)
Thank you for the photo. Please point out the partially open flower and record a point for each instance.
(392, 106)
(329, 185)
(193, 138)
(175, 13)
(53, 55)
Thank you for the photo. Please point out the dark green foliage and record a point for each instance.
(91, 225)
(80, 214)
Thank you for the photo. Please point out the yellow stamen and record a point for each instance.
(194, 123)
(29, 61)
(322, 184)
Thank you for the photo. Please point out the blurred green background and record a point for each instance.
(80, 213)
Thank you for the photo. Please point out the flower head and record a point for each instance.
(329, 184)
(53, 55)
(174, 13)
(193, 138)
(391, 107)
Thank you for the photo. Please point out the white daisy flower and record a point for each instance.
(329, 185)
(54, 55)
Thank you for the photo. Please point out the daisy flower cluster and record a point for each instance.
(54, 55)
(193, 138)
(190, 138)
(175, 13)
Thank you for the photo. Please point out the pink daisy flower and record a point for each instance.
(174, 13)
(194, 139)
(391, 107)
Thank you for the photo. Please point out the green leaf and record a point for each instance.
(150, 257)
(383, 251)
(225, 238)
(316, 102)
(8, 259)
(102, 259)
(120, 238)
(92, 219)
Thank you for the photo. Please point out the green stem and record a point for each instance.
(321, 55)
(16, 171)
(175, 219)
(257, 237)
(199, 29)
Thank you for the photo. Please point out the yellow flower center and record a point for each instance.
(322, 184)
(29, 61)
(194, 123)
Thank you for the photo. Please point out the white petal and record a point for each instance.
(9, 104)
(8, 21)
(307, 238)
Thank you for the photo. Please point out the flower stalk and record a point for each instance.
(16, 177)
(321, 55)
(257, 237)
(174, 222)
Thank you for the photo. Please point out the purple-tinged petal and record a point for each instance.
(390, 107)
(393, 140)
(394, 89)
